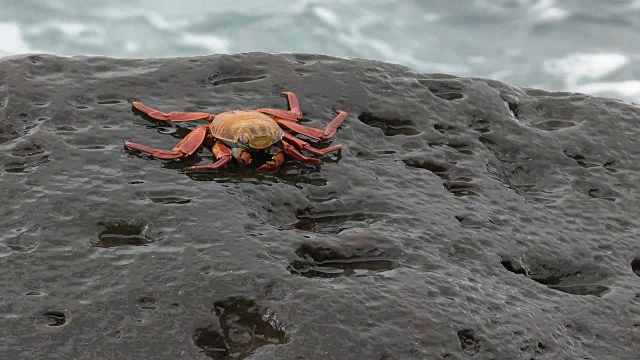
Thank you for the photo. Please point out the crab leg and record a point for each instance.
(275, 162)
(174, 116)
(221, 152)
(184, 148)
(303, 145)
(294, 112)
(289, 149)
(317, 134)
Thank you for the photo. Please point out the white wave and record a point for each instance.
(75, 32)
(71, 29)
(131, 47)
(156, 20)
(12, 41)
(585, 66)
(547, 11)
(327, 16)
(213, 43)
(431, 17)
(629, 89)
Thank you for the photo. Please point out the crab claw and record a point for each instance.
(242, 156)
(275, 162)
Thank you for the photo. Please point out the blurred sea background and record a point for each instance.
(589, 46)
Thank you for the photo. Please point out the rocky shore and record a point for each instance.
(463, 218)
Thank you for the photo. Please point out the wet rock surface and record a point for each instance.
(464, 218)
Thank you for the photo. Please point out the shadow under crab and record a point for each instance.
(245, 135)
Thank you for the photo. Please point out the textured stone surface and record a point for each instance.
(463, 217)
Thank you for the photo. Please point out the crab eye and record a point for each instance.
(243, 139)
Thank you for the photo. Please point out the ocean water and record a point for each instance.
(573, 45)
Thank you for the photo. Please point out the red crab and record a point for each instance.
(238, 134)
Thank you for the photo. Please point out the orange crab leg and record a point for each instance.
(303, 145)
(289, 149)
(314, 133)
(174, 116)
(275, 163)
(294, 112)
(184, 148)
(221, 152)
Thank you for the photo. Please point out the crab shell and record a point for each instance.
(246, 129)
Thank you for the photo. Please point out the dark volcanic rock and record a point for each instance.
(463, 217)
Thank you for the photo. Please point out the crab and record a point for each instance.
(240, 134)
